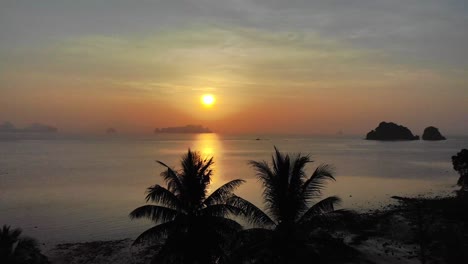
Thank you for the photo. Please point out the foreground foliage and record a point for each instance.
(191, 226)
(460, 164)
(296, 219)
(439, 228)
(18, 249)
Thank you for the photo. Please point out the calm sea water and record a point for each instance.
(81, 190)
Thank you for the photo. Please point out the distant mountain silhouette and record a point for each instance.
(111, 131)
(40, 128)
(391, 131)
(7, 127)
(188, 129)
(33, 128)
(432, 133)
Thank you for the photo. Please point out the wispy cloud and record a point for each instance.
(246, 51)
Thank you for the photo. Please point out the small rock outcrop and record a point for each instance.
(391, 131)
(432, 133)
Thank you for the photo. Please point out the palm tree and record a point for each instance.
(191, 226)
(16, 249)
(293, 215)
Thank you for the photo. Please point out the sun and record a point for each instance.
(208, 100)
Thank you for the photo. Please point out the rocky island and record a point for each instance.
(188, 129)
(391, 131)
(432, 133)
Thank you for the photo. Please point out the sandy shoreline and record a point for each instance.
(380, 236)
(373, 250)
(113, 251)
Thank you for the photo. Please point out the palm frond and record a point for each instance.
(221, 224)
(258, 233)
(172, 179)
(205, 165)
(221, 210)
(194, 177)
(160, 195)
(253, 244)
(324, 206)
(205, 173)
(297, 170)
(252, 213)
(270, 185)
(155, 213)
(190, 163)
(281, 167)
(263, 170)
(277, 159)
(313, 186)
(283, 184)
(156, 233)
(222, 193)
(8, 234)
(27, 243)
(293, 194)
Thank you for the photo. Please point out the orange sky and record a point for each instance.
(268, 76)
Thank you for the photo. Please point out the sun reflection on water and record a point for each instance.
(210, 145)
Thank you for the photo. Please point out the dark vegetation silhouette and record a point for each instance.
(191, 226)
(296, 221)
(421, 222)
(460, 164)
(18, 249)
(440, 225)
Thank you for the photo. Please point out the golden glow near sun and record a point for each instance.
(208, 100)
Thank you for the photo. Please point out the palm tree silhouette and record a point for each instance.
(291, 221)
(16, 249)
(191, 226)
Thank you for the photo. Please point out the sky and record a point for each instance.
(295, 67)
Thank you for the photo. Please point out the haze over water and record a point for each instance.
(75, 190)
(93, 92)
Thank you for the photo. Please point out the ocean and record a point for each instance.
(72, 190)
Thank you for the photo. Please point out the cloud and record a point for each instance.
(234, 61)
(247, 52)
(421, 32)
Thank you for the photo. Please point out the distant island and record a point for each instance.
(391, 131)
(188, 129)
(433, 134)
(111, 131)
(8, 127)
(8, 131)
